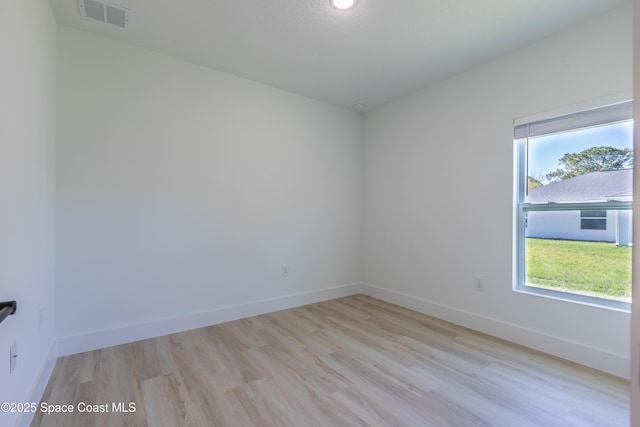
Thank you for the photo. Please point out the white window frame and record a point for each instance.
(548, 123)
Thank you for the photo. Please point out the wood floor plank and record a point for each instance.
(354, 361)
(257, 400)
(207, 401)
(118, 382)
(164, 399)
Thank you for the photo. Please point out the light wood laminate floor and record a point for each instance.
(353, 361)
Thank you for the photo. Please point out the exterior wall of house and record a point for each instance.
(566, 225)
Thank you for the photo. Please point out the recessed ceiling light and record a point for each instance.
(343, 4)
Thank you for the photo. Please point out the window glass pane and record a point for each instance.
(585, 165)
(562, 255)
(593, 224)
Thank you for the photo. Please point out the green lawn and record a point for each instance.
(589, 268)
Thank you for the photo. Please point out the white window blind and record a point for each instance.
(583, 119)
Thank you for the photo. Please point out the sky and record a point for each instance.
(545, 151)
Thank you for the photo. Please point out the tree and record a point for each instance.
(591, 160)
(533, 182)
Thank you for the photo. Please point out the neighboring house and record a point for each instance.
(600, 225)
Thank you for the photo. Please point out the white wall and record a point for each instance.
(182, 191)
(438, 192)
(27, 196)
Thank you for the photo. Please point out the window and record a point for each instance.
(574, 175)
(593, 220)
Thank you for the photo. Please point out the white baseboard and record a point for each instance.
(130, 333)
(615, 364)
(39, 385)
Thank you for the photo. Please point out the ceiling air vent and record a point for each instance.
(103, 12)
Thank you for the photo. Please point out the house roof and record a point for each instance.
(594, 186)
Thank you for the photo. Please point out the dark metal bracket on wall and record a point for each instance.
(7, 308)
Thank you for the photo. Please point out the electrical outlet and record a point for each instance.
(13, 357)
(479, 285)
(285, 271)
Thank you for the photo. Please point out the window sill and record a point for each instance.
(620, 306)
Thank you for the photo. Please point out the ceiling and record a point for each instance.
(379, 50)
